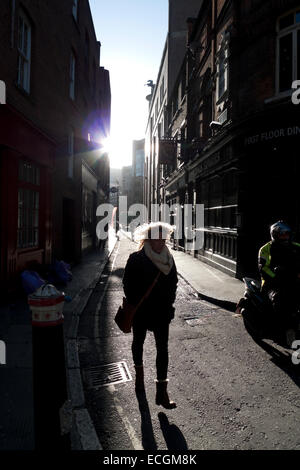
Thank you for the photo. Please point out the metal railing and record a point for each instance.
(221, 242)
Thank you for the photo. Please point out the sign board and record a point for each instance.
(167, 151)
(2, 92)
(2, 353)
(272, 135)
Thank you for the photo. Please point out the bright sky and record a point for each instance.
(132, 35)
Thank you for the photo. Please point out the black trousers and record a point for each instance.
(161, 336)
(284, 301)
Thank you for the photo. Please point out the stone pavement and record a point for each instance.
(211, 284)
(16, 387)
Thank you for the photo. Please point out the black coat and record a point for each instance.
(139, 274)
(285, 261)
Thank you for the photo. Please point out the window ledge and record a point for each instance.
(176, 115)
(28, 249)
(223, 98)
(183, 100)
(279, 97)
(22, 90)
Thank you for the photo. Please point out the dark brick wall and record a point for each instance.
(55, 33)
(255, 62)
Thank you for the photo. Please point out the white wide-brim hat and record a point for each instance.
(143, 231)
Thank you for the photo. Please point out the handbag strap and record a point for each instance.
(148, 291)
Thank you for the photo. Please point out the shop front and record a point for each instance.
(26, 157)
(269, 180)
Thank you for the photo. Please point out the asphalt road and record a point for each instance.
(230, 392)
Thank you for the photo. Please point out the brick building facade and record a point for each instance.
(57, 114)
(158, 119)
(234, 127)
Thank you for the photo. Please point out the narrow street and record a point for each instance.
(122, 114)
(230, 393)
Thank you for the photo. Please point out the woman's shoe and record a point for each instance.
(139, 378)
(162, 397)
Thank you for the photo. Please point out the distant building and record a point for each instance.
(159, 112)
(126, 183)
(114, 183)
(138, 163)
(57, 113)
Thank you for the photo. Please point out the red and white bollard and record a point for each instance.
(49, 372)
(46, 305)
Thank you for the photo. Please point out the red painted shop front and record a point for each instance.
(26, 166)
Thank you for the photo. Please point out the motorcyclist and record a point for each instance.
(279, 266)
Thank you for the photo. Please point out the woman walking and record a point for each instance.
(152, 265)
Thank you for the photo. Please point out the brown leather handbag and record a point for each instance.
(126, 312)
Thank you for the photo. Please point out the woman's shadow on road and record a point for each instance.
(173, 436)
(148, 439)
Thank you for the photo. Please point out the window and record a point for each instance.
(94, 78)
(222, 66)
(87, 60)
(288, 51)
(87, 212)
(183, 83)
(72, 76)
(175, 103)
(71, 154)
(198, 131)
(139, 162)
(29, 173)
(28, 205)
(75, 9)
(162, 91)
(24, 52)
(222, 71)
(221, 74)
(87, 52)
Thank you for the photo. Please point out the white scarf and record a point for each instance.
(163, 260)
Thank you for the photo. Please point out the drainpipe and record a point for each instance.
(213, 49)
(13, 23)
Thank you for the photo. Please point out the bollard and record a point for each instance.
(49, 372)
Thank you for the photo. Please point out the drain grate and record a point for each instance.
(100, 376)
(194, 321)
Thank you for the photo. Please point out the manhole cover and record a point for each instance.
(100, 376)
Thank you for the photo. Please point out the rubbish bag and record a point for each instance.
(60, 272)
(31, 281)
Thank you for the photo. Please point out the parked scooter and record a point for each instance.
(257, 315)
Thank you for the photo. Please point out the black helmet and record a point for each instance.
(279, 228)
